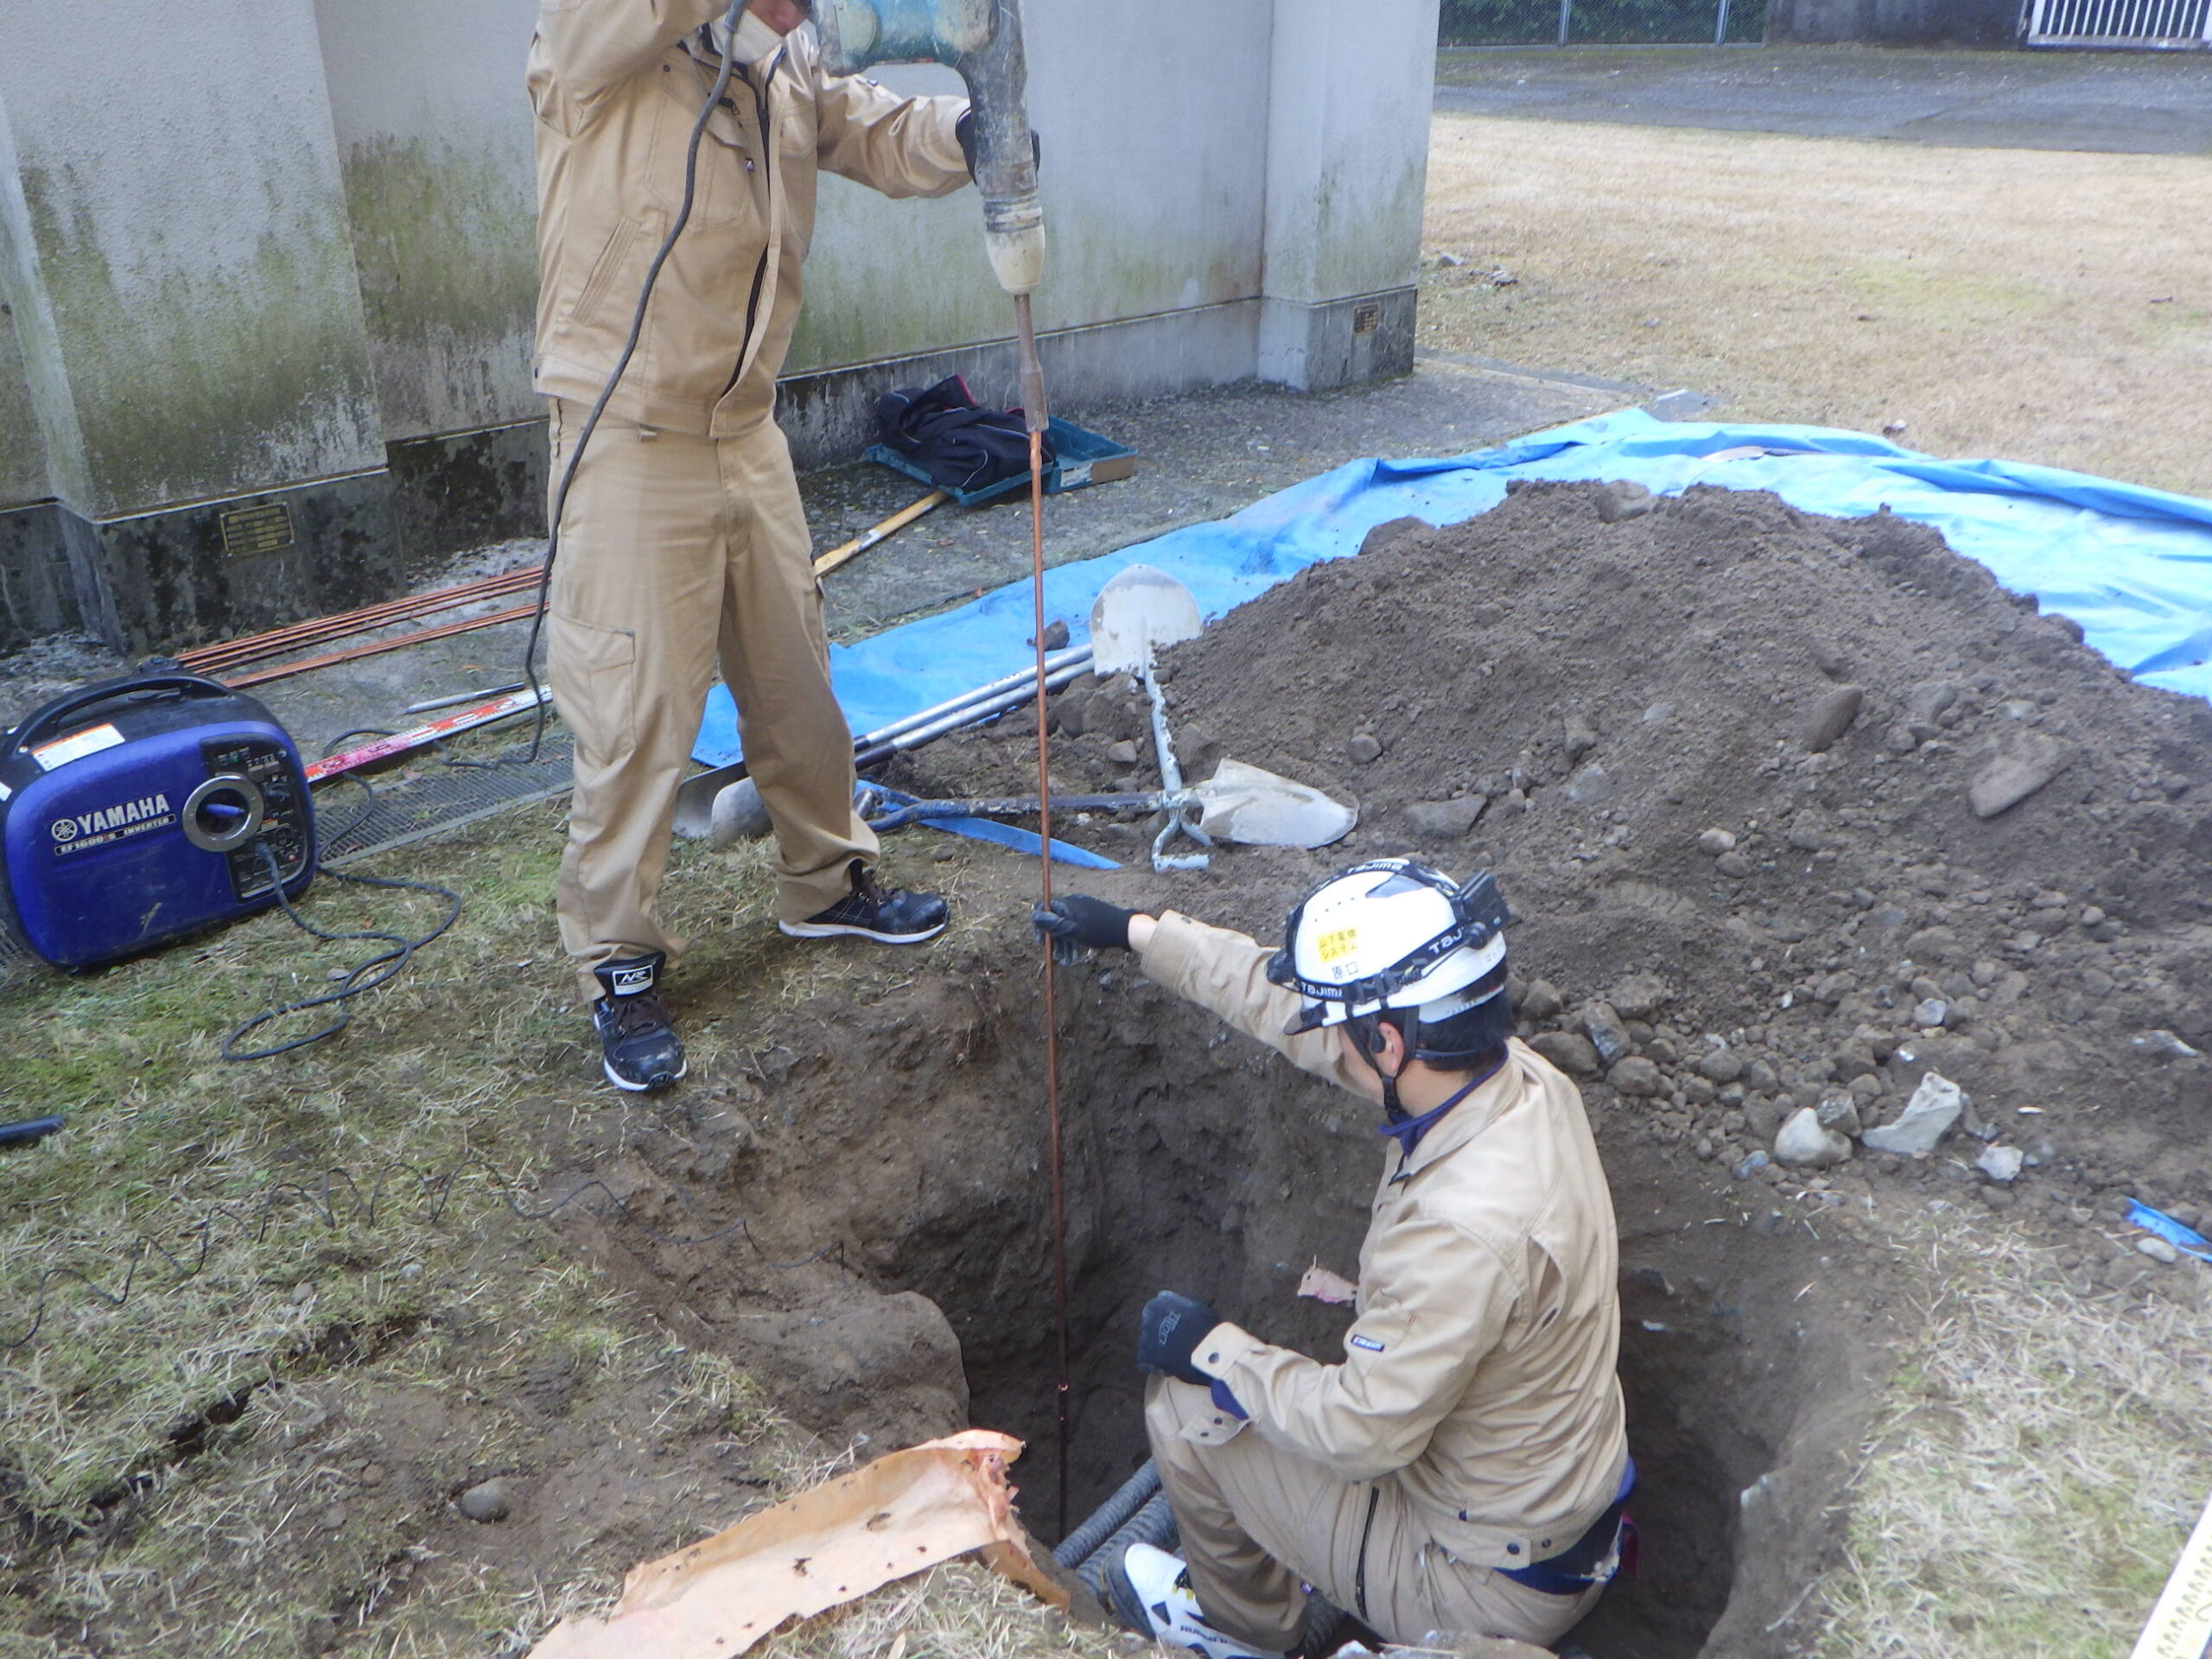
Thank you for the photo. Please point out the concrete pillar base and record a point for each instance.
(242, 564)
(185, 575)
(1318, 347)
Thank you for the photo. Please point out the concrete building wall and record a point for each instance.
(177, 203)
(22, 457)
(1153, 179)
(1350, 91)
(434, 142)
(273, 282)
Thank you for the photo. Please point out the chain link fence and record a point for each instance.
(1602, 23)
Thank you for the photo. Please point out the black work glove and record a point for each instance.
(964, 130)
(1173, 1327)
(1076, 923)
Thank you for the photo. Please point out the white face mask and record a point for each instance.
(754, 39)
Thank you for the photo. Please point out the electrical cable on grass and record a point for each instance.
(361, 978)
(324, 1201)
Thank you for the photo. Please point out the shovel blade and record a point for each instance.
(1135, 614)
(1258, 809)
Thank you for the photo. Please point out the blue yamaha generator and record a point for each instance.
(137, 811)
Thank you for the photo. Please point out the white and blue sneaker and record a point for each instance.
(1154, 1584)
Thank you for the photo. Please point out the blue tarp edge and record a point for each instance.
(2132, 564)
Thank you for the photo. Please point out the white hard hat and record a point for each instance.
(1393, 934)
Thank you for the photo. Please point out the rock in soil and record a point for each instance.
(1444, 820)
(1574, 1055)
(485, 1501)
(1805, 1141)
(1608, 1034)
(2011, 779)
(1623, 498)
(1926, 1118)
(1830, 718)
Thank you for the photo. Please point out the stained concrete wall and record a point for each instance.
(1350, 93)
(22, 457)
(179, 239)
(434, 139)
(1232, 190)
(285, 263)
(1153, 114)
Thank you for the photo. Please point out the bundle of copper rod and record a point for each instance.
(227, 654)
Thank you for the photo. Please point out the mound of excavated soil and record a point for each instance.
(1791, 810)
(1760, 893)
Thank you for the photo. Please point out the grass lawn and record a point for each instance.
(2038, 305)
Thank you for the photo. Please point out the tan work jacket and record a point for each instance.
(1479, 1371)
(617, 85)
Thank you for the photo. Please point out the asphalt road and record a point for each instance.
(2147, 103)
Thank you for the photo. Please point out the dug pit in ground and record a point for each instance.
(1227, 1176)
(1791, 812)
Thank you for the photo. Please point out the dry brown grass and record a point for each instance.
(2039, 1464)
(959, 1610)
(2039, 305)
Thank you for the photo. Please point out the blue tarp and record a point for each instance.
(2132, 566)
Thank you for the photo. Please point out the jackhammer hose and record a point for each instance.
(1138, 1514)
(1082, 1544)
(1154, 1524)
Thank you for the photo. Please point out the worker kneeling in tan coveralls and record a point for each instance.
(682, 540)
(1464, 1469)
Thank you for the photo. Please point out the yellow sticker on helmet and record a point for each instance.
(1336, 943)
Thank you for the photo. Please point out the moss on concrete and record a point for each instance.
(445, 241)
(22, 459)
(208, 382)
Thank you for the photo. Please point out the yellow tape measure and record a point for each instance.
(2181, 1625)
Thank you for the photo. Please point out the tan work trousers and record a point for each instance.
(1256, 1520)
(677, 549)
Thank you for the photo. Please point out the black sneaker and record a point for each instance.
(637, 1043)
(893, 917)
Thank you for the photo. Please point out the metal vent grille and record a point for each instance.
(436, 798)
(2169, 24)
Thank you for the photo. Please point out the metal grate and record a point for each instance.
(2155, 25)
(436, 798)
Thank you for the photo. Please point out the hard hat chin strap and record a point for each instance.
(1366, 1031)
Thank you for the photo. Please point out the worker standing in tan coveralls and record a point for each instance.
(1465, 1468)
(683, 540)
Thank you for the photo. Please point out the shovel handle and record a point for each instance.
(898, 521)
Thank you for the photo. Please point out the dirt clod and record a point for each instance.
(1831, 717)
(1444, 820)
(485, 1501)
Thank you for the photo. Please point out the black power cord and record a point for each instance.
(362, 977)
(730, 20)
